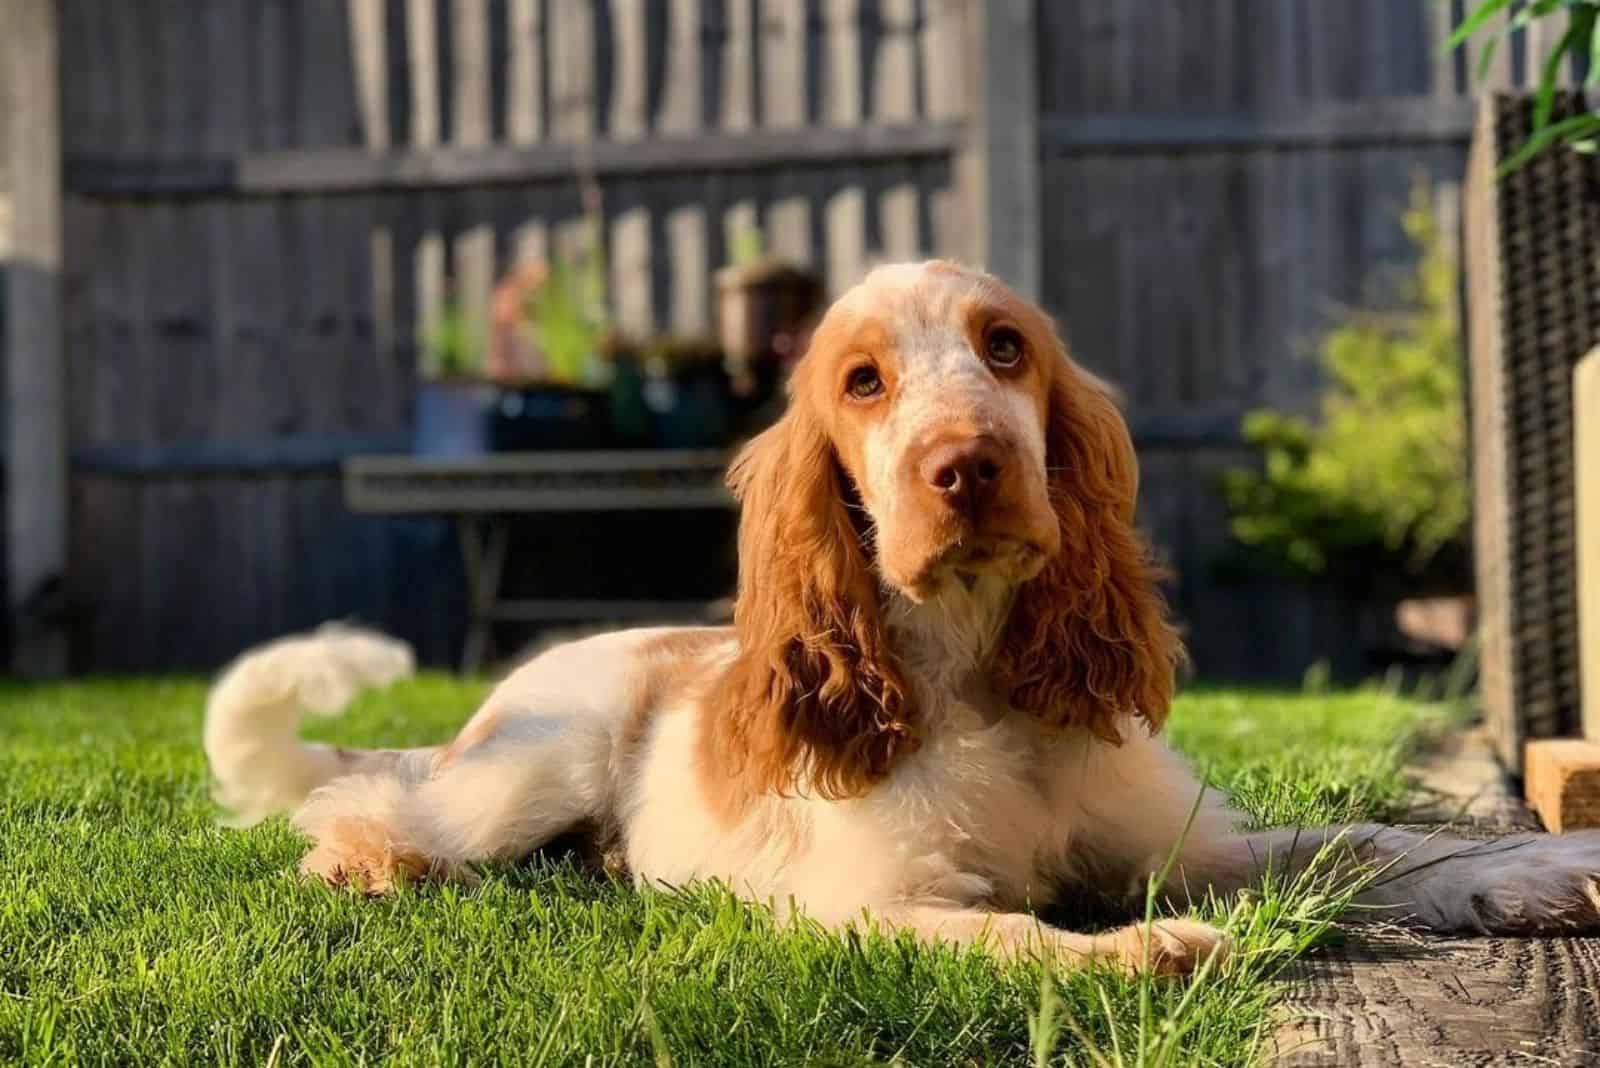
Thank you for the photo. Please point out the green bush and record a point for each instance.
(1378, 486)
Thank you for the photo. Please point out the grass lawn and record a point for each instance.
(135, 930)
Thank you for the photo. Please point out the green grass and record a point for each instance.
(135, 930)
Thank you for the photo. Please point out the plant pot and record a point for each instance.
(451, 418)
(541, 418)
(690, 409)
(765, 311)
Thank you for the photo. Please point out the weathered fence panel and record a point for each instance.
(1220, 179)
(267, 202)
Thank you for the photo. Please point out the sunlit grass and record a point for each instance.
(135, 930)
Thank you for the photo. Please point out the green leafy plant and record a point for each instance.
(567, 314)
(1580, 42)
(1378, 486)
(452, 344)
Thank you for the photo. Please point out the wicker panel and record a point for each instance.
(1533, 267)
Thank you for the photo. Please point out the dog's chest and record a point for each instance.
(977, 797)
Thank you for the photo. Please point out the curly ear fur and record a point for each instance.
(814, 700)
(1088, 641)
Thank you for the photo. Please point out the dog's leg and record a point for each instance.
(1166, 947)
(498, 798)
(1522, 884)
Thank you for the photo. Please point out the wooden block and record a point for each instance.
(1586, 465)
(1561, 781)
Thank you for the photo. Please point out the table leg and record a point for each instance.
(484, 541)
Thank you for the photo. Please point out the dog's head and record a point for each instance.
(937, 434)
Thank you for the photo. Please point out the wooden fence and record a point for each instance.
(267, 200)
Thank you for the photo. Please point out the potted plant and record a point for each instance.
(551, 356)
(452, 398)
(766, 307)
(1372, 498)
(685, 389)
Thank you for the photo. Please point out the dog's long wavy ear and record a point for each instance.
(1088, 643)
(814, 700)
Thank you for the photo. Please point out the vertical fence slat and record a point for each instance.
(1000, 166)
(422, 52)
(474, 122)
(34, 359)
(846, 210)
(629, 117)
(629, 254)
(369, 38)
(525, 109)
(632, 295)
(474, 244)
(682, 93)
(572, 69)
(738, 68)
(783, 102)
(687, 252)
(783, 64)
(894, 100)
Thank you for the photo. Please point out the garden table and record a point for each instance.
(484, 494)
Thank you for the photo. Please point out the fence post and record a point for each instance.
(999, 168)
(31, 340)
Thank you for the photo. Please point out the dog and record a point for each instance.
(937, 707)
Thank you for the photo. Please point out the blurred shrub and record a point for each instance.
(1378, 486)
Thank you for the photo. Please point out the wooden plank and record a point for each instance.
(525, 122)
(573, 114)
(1370, 121)
(338, 170)
(369, 36)
(36, 488)
(946, 58)
(632, 291)
(422, 51)
(845, 211)
(999, 168)
(783, 64)
(689, 252)
(738, 96)
(844, 91)
(894, 96)
(473, 123)
(1586, 460)
(629, 119)
(680, 110)
(1561, 781)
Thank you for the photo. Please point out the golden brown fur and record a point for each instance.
(815, 692)
(1088, 641)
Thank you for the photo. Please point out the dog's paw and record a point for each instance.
(1527, 884)
(1170, 947)
(360, 857)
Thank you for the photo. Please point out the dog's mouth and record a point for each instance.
(965, 561)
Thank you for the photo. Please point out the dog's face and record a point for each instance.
(936, 432)
(933, 386)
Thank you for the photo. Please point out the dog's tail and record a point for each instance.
(254, 711)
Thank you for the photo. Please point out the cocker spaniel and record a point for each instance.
(938, 704)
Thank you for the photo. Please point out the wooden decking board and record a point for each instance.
(1383, 998)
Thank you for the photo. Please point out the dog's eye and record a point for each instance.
(1003, 346)
(864, 383)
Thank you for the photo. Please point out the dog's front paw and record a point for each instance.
(1529, 884)
(1169, 947)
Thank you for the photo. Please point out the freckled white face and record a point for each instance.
(937, 383)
